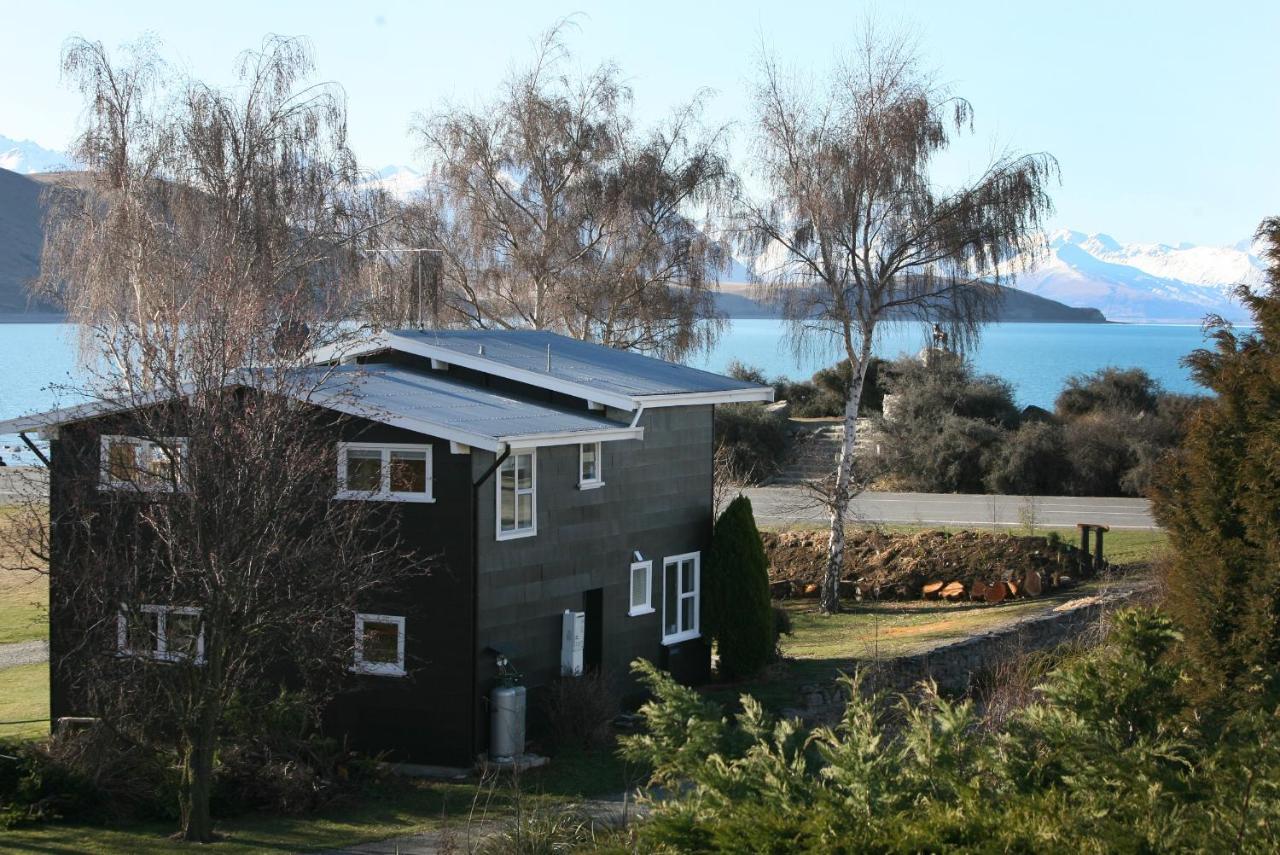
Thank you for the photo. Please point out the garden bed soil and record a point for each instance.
(882, 564)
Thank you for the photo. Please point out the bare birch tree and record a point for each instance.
(203, 252)
(852, 231)
(553, 211)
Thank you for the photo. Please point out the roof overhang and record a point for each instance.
(390, 341)
(342, 403)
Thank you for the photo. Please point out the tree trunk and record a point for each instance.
(842, 491)
(196, 788)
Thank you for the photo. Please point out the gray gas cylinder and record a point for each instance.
(506, 722)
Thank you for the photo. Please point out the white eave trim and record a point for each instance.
(575, 437)
(685, 399)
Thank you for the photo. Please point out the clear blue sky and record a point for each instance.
(1165, 116)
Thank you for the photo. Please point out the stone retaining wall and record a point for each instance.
(953, 667)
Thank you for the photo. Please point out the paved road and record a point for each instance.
(782, 505)
(786, 505)
(18, 483)
(23, 653)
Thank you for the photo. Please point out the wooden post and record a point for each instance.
(1097, 549)
(1084, 537)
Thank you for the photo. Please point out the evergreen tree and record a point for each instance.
(1219, 498)
(737, 611)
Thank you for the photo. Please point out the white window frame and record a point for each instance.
(143, 449)
(645, 608)
(585, 483)
(531, 490)
(379, 669)
(684, 633)
(384, 492)
(160, 652)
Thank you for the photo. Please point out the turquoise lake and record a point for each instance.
(38, 361)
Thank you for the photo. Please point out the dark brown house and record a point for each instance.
(546, 474)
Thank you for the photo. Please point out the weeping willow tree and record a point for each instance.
(851, 231)
(243, 202)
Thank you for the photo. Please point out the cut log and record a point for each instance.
(1032, 584)
(953, 591)
(931, 590)
(997, 592)
(811, 590)
(978, 591)
(1013, 588)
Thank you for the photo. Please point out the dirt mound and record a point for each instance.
(897, 565)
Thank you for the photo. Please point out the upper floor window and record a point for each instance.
(517, 496)
(680, 597)
(134, 463)
(163, 633)
(384, 471)
(379, 645)
(589, 473)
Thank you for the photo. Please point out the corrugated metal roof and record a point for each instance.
(581, 363)
(448, 408)
(424, 402)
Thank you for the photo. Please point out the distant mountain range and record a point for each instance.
(26, 157)
(1148, 282)
(1125, 282)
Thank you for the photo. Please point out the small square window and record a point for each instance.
(641, 588)
(379, 645)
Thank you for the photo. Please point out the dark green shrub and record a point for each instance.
(1032, 461)
(1109, 390)
(943, 454)
(37, 786)
(737, 610)
(781, 626)
(1105, 758)
(749, 373)
(578, 711)
(753, 440)
(1101, 452)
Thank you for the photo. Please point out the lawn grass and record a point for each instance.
(24, 594)
(397, 807)
(822, 646)
(24, 695)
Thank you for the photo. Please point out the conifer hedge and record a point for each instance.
(737, 611)
(1219, 499)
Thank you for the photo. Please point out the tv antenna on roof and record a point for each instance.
(419, 251)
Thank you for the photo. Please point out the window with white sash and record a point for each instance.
(163, 633)
(589, 466)
(134, 463)
(641, 588)
(681, 597)
(379, 647)
(381, 471)
(517, 495)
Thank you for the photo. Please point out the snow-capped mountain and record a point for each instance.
(402, 182)
(26, 157)
(1143, 282)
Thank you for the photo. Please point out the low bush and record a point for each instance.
(578, 711)
(1032, 461)
(1107, 758)
(752, 441)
